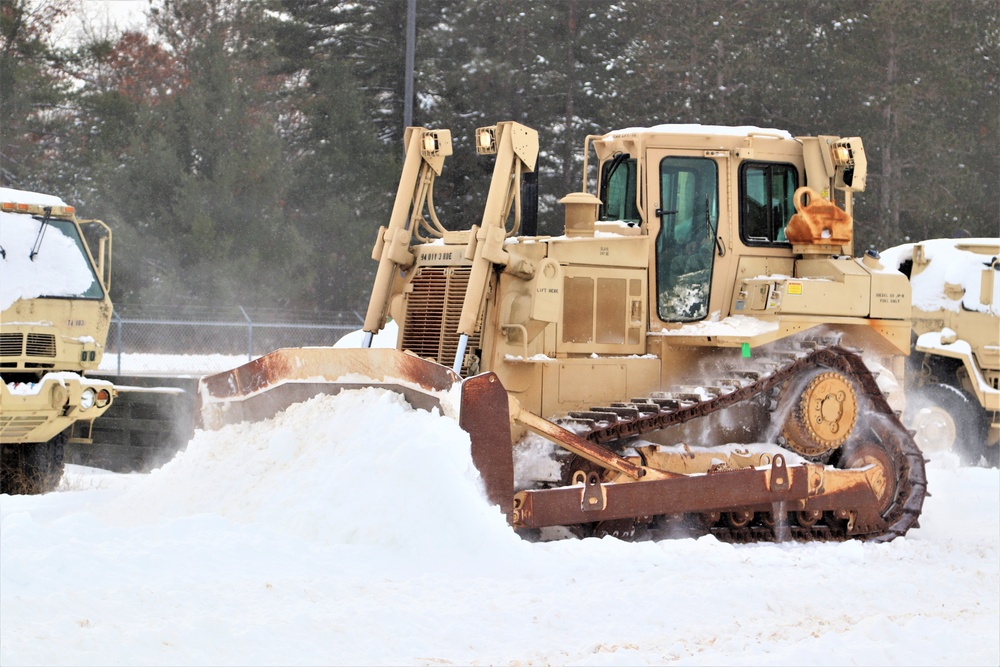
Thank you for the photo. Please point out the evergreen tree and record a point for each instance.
(32, 121)
(248, 150)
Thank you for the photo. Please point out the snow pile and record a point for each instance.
(346, 450)
(352, 530)
(949, 265)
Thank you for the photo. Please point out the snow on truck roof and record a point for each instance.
(59, 269)
(696, 129)
(27, 197)
(950, 262)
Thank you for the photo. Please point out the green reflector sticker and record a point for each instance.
(746, 350)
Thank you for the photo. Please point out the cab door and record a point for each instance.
(683, 191)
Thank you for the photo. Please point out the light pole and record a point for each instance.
(411, 39)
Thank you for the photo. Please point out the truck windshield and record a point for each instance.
(685, 245)
(61, 268)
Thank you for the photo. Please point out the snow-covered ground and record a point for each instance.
(352, 530)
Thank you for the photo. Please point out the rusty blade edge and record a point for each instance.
(731, 490)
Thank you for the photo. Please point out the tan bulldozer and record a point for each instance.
(699, 351)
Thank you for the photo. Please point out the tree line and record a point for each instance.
(246, 151)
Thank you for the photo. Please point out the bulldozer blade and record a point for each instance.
(265, 386)
(484, 417)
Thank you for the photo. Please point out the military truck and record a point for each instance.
(953, 397)
(693, 351)
(55, 313)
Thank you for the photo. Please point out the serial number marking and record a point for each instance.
(438, 256)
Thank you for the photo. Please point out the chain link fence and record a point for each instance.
(197, 340)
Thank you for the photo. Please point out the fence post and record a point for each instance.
(118, 338)
(249, 334)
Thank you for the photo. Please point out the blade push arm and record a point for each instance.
(425, 154)
(516, 148)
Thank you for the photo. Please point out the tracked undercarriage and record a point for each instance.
(845, 466)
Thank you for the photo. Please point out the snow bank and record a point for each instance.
(377, 471)
(353, 530)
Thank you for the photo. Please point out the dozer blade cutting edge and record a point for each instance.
(263, 387)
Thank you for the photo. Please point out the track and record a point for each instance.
(878, 434)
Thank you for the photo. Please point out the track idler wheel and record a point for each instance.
(824, 417)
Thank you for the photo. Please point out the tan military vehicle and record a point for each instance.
(691, 354)
(954, 377)
(54, 319)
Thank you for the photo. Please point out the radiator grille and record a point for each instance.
(433, 310)
(40, 345)
(11, 344)
(20, 427)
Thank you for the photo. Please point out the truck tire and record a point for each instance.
(945, 418)
(32, 468)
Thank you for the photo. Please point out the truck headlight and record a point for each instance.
(87, 399)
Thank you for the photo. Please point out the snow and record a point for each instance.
(28, 197)
(713, 130)
(948, 265)
(385, 338)
(734, 325)
(352, 529)
(59, 268)
(134, 363)
(62, 377)
(937, 341)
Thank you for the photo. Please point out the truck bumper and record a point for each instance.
(39, 411)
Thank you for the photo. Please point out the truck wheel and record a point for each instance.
(32, 468)
(945, 418)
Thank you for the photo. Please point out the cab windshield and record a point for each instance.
(43, 262)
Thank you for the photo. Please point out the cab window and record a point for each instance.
(766, 202)
(618, 185)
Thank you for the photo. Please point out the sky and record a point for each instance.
(102, 16)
